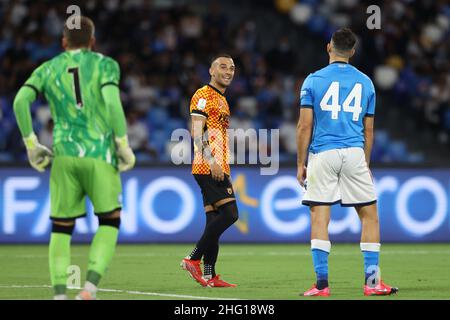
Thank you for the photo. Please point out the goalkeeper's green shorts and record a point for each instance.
(72, 179)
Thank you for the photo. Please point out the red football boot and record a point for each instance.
(216, 282)
(194, 270)
(314, 292)
(381, 289)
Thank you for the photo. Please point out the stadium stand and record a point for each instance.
(164, 47)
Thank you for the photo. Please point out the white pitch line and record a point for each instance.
(248, 253)
(131, 292)
(166, 295)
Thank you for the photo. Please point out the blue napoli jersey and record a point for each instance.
(340, 96)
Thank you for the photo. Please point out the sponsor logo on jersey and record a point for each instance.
(201, 104)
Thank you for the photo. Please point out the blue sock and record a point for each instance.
(320, 261)
(371, 259)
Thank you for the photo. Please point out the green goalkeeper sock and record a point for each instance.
(59, 261)
(101, 253)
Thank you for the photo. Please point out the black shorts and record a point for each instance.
(212, 190)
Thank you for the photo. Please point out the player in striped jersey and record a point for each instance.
(209, 113)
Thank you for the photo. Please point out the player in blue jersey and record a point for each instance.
(336, 122)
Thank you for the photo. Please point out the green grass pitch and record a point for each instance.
(276, 271)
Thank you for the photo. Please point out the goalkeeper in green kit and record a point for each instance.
(90, 148)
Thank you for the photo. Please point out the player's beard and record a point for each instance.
(223, 82)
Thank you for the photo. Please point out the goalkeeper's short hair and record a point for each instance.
(79, 35)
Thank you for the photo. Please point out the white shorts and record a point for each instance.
(339, 176)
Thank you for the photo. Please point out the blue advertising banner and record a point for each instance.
(165, 205)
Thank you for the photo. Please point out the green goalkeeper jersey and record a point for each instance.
(72, 83)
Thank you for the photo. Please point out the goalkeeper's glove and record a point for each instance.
(39, 155)
(125, 154)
